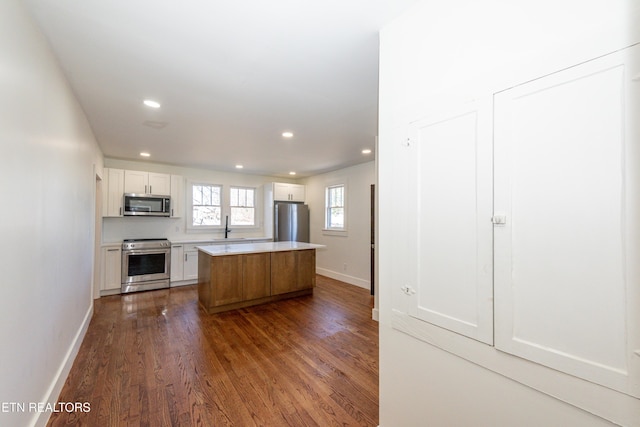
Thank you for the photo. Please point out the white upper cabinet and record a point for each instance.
(147, 183)
(177, 196)
(112, 191)
(288, 192)
(159, 183)
(448, 181)
(567, 171)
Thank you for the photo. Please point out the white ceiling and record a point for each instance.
(231, 77)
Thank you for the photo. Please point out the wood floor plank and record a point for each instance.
(157, 359)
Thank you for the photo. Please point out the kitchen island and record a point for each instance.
(240, 275)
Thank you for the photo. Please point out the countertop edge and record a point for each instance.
(253, 248)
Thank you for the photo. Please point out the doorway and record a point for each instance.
(373, 238)
(97, 238)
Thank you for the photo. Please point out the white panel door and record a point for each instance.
(136, 182)
(566, 261)
(113, 192)
(159, 184)
(190, 265)
(177, 196)
(451, 187)
(177, 263)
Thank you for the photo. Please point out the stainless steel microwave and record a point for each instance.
(146, 205)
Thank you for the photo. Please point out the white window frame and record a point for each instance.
(328, 229)
(254, 207)
(190, 225)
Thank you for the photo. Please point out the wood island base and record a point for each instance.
(228, 281)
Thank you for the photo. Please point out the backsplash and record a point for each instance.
(117, 229)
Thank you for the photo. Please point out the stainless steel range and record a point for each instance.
(146, 264)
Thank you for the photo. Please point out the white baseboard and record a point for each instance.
(344, 278)
(52, 394)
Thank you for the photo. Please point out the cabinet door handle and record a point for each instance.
(112, 250)
(120, 211)
(176, 246)
(185, 256)
(150, 190)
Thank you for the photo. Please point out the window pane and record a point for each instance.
(242, 206)
(206, 196)
(234, 197)
(206, 209)
(335, 209)
(336, 196)
(336, 218)
(206, 215)
(197, 194)
(215, 196)
(242, 216)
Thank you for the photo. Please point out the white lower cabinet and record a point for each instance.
(177, 265)
(112, 269)
(184, 262)
(191, 265)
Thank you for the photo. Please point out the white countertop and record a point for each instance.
(252, 248)
(219, 240)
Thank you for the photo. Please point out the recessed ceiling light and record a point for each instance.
(144, 154)
(292, 173)
(287, 134)
(239, 166)
(152, 104)
(366, 151)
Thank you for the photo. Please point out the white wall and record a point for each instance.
(48, 163)
(347, 257)
(443, 54)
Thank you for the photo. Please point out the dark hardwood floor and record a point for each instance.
(157, 359)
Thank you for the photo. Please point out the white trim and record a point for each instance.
(254, 207)
(361, 283)
(190, 228)
(40, 419)
(583, 394)
(341, 182)
(335, 232)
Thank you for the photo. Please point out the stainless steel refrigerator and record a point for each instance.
(290, 222)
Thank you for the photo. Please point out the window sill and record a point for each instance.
(333, 232)
(196, 230)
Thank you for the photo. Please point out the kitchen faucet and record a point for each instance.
(227, 230)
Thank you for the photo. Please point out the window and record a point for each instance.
(206, 205)
(242, 203)
(335, 207)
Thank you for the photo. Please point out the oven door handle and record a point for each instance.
(145, 251)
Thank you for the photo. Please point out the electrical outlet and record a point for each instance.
(344, 267)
